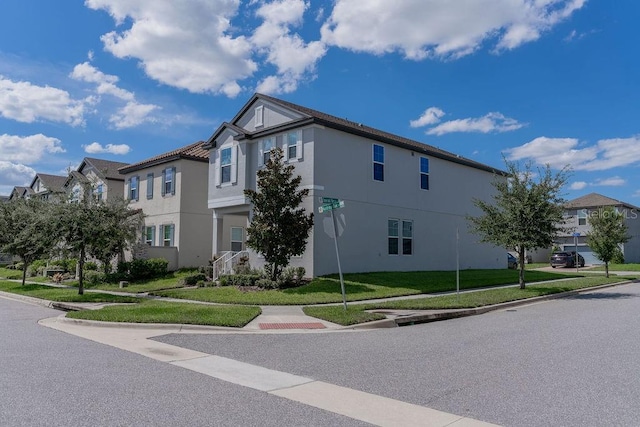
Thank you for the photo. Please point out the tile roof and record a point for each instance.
(594, 200)
(195, 151)
(106, 169)
(353, 128)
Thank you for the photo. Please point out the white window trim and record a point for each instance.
(402, 238)
(394, 237)
(374, 162)
(261, 151)
(241, 241)
(285, 146)
(579, 217)
(234, 165)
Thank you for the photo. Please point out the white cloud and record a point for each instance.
(578, 185)
(491, 122)
(182, 44)
(15, 174)
(28, 149)
(132, 115)
(558, 152)
(106, 84)
(292, 57)
(441, 28)
(28, 103)
(431, 115)
(614, 181)
(95, 148)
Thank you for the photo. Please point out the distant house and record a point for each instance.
(171, 190)
(577, 214)
(46, 187)
(405, 201)
(101, 177)
(4, 199)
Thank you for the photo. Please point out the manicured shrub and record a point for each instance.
(194, 279)
(143, 269)
(240, 279)
(90, 265)
(94, 278)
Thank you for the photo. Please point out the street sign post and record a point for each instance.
(331, 204)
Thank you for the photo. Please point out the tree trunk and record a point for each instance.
(521, 267)
(606, 269)
(24, 271)
(81, 273)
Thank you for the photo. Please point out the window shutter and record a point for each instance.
(299, 146)
(137, 188)
(171, 234)
(153, 235)
(129, 189)
(285, 146)
(216, 166)
(260, 153)
(174, 179)
(234, 164)
(164, 181)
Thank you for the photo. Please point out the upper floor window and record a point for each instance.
(99, 192)
(378, 162)
(169, 181)
(264, 147)
(150, 186)
(133, 188)
(424, 173)
(259, 116)
(225, 165)
(582, 217)
(293, 145)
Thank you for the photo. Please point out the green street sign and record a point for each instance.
(328, 200)
(329, 206)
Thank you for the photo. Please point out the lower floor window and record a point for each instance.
(166, 234)
(400, 237)
(150, 235)
(237, 239)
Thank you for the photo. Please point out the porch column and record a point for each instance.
(217, 232)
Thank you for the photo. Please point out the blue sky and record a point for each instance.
(551, 81)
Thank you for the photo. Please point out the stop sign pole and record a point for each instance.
(331, 204)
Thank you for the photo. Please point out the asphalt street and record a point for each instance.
(50, 378)
(570, 362)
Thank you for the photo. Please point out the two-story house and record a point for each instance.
(404, 201)
(99, 176)
(171, 191)
(577, 214)
(19, 192)
(46, 187)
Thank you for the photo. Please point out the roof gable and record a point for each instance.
(595, 200)
(105, 169)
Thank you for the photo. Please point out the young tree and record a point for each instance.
(526, 213)
(25, 230)
(280, 227)
(608, 231)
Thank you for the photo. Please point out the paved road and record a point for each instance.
(50, 378)
(571, 362)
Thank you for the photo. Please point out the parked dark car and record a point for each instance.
(566, 259)
(512, 262)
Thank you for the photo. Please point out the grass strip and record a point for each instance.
(618, 267)
(172, 312)
(61, 294)
(171, 280)
(360, 286)
(337, 314)
(464, 300)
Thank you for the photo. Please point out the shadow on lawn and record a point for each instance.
(604, 296)
(327, 286)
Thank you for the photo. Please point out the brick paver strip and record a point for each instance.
(310, 325)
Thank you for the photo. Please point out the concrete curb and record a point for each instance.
(445, 315)
(167, 326)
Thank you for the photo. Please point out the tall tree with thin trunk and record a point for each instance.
(280, 227)
(608, 232)
(526, 212)
(26, 230)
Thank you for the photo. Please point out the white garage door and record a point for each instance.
(587, 254)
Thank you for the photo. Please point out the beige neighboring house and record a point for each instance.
(577, 214)
(46, 186)
(19, 192)
(171, 191)
(100, 176)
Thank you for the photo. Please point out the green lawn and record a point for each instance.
(336, 314)
(60, 294)
(172, 312)
(535, 265)
(171, 280)
(618, 267)
(361, 286)
(6, 273)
